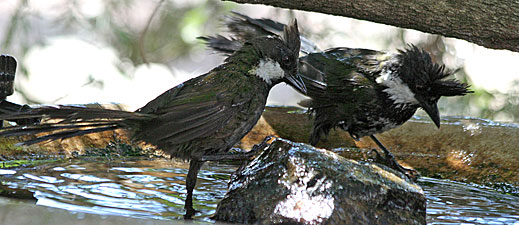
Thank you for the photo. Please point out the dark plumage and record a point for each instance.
(361, 91)
(198, 120)
(369, 92)
(7, 73)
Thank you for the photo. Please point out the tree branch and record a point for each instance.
(490, 23)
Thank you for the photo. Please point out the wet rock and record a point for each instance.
(294, 183)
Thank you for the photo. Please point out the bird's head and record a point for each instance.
(421, 82)
(279, 58)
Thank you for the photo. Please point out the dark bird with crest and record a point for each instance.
(198, 120)
(362, 91)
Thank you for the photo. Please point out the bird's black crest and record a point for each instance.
(419, 71)
(291, 38)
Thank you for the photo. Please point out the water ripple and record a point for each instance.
(155, 189)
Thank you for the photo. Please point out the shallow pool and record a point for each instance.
(155, 189)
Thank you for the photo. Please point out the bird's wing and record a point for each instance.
(194, 109)
(347, 76)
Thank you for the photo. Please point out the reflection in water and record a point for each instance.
(155, 189)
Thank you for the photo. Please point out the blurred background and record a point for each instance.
(128, 52)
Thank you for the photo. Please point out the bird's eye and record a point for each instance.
(423, 88)
(286, 60)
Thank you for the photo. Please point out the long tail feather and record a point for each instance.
(69, 121)
(67, 134)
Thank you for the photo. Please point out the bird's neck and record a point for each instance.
(395, 88)
(268, 70)
(248, 60)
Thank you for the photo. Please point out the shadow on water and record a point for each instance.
(155, 189)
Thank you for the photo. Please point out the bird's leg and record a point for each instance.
(389, 160)
(241, 156)
(196, 164)
(194, 167)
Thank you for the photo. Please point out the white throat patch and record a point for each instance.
(396, 89)
(268, 70)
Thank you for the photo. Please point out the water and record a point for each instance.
(155, 189)
(451, 202)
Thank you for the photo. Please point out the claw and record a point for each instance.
(389, 160)
(260, 146)
(190, 212)
(254, 150)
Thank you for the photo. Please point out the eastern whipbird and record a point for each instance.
(198, 120)
(361, 91)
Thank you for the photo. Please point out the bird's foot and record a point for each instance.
(190, 212)
(257, 147)
(254, 152)
(389, 160)
(239, 156)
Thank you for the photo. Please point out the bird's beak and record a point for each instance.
(294, 80)
(431, 108)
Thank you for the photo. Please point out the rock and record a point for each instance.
(294, 183)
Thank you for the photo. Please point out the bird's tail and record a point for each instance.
(244, 28)
(222, 44)
(61, 122)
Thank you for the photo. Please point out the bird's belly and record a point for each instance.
(362, 128)
(377, 121)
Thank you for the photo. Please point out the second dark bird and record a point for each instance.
(361, 91)
(198, 120)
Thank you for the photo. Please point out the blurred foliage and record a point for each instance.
(162, 31)
(140, 31)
